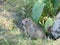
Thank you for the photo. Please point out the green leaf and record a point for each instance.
(37, 10)
(48, 23)
(56, 3)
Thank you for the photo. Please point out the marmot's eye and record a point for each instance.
(29, 20)
(26, 21)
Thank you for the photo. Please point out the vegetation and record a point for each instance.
(42, 12)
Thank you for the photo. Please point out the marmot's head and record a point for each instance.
(27, 22)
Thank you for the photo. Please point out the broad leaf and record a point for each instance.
(48, 23)
(37, 10)
(56, 3)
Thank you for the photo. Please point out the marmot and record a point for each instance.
(32, 29)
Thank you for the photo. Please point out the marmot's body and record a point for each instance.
(32, 29)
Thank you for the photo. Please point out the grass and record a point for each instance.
(11, 35)
(20, 39)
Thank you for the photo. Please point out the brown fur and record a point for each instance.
(32, 29)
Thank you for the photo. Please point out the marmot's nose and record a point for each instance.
(21, 23)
